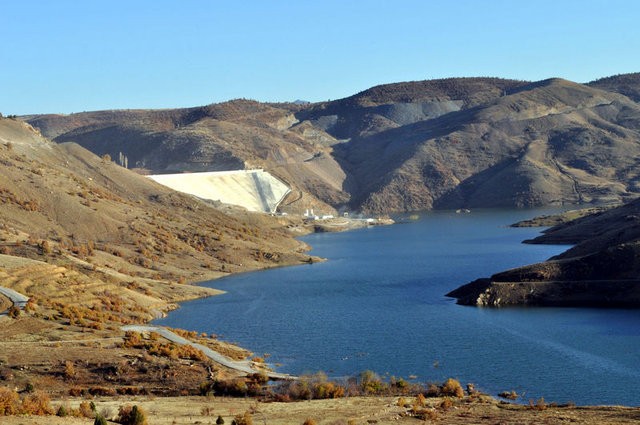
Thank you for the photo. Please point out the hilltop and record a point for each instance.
(448, 143)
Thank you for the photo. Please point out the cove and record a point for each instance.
(378, 303)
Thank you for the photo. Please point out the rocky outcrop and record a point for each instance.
(602, 269)
(585, 293)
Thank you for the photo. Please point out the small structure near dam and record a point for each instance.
(255, 190)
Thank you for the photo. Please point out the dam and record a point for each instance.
(256, 190)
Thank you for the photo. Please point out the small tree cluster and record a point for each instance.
(31, 403)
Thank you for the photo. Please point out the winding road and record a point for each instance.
(16, 298)
(239, 365)
(243, 366)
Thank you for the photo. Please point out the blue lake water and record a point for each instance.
(378, 303)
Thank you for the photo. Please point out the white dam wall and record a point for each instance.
(255, 190)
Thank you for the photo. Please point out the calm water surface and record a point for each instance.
(378, 303)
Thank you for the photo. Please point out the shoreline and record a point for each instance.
(260, 269)
(258, 349)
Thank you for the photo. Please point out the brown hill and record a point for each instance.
(63, 205)
(233, 135)
(626, 84)
(452, 143)
(544, 143)
(95, 246)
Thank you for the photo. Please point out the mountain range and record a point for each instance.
(450, 143)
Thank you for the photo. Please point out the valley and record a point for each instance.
(95, 244)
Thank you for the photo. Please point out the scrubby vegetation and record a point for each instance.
(131, 415)
(27, 403)
(166, 349)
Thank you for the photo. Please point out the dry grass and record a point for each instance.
(356, 410)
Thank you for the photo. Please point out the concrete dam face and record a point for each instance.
(255, 190)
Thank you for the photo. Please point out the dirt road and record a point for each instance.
(244, 366)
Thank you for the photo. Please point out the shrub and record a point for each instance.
(219, 421)
(452, 388)
(421, 401)
(14, 312)
(244, 419)
(446, 404)
(131, 415)
(541, 404)
(9, 402)
(433, 390)
(100, 420)
(37, 403)
(309, 421)
(69, 370)
(45, 247)
(370, 382)
(62, 412)
(86, 409)
(132, 339)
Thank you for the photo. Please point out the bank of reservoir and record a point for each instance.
(379, 304)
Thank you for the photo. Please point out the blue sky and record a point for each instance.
(63, 56)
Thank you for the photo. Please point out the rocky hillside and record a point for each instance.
(63, 205)
(602, 269)
(234, 135)
(626, 84)
(452, 143)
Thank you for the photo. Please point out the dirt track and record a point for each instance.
(244, 366)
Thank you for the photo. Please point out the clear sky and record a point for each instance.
(68, 56)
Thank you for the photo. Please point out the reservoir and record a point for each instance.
(378, 304)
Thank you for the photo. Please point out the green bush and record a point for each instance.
(62, 412)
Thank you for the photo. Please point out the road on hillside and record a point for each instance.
(16, 298)
(239, 365)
